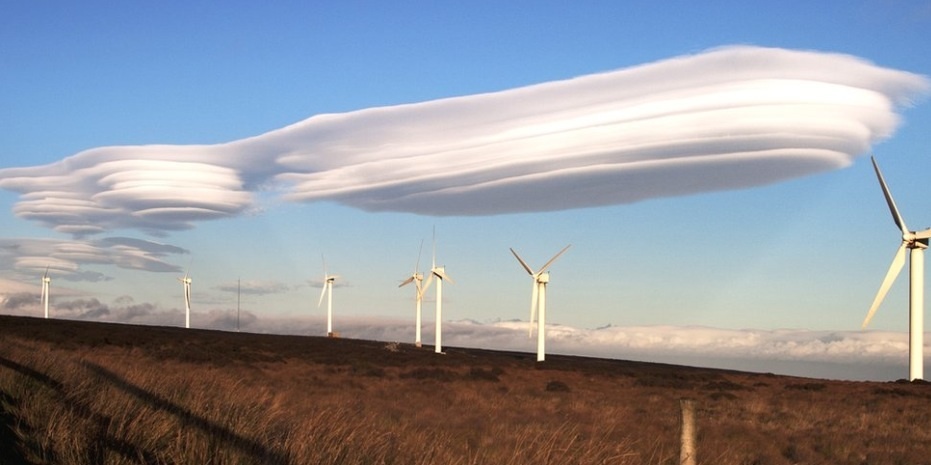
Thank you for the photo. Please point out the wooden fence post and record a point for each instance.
(687, 451)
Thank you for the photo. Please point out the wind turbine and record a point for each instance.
(46, 283)
(438, 272)
(538, 299)
(916, 242)
(328, 292)
(186, 282)
(417, 278)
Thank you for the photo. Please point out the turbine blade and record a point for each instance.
(419, 253)
(897, 263)
(406, 282)
(554, 259)
(46, 272)
(534, 298)
(427, 284)
(434, 246)
(522, 262)
(322, 293)
(899, 221)
(442, 275)
(420, 289)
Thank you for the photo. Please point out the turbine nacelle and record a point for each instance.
(414, 277)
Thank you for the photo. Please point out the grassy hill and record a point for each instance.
(78, 393)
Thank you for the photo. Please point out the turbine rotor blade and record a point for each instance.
(897, 263)
(419, 253)
(46, 272)
(427, 284)
(406, 282)
(420, 290)
(522, 262)
(442, 275)
(899, 221)
(322, 293)
(554, 259)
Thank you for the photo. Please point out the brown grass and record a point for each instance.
(79, 393)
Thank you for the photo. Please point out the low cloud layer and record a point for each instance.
(860, 355)
(729, 118)
(876, 355)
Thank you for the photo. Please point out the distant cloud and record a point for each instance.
(64, 258)
(255, 287)
(729, 118)
(877, 355)
(831, 354)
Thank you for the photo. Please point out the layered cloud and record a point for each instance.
(64, 258)
(729, 118)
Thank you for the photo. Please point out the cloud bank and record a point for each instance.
(858, 355)
(729, 118)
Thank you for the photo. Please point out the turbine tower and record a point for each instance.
(417, 278)
(186, 282)
(916, 243)
(438, 272)
(328, 292)
(538, 299)
(46, 283)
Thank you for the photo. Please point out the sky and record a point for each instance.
(708, 163)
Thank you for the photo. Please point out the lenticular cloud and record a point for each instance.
(729, 118)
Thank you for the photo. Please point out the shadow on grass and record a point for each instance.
(10, 451)
(257, 450)
(103, 441)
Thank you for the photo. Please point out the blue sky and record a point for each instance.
(806, 254)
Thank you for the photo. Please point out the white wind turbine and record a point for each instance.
(186, 282)
(417, 278)
(328, 292)
(916, 242)
(538, 299)
(439, 272)
(46, 283)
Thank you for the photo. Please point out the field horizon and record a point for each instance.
(88, 392)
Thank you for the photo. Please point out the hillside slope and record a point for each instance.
(80, 392)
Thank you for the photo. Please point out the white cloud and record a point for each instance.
(64, 258)
(255, 287)
(729, 118)
(877, 355)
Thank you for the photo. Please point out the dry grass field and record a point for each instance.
(92, 393)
